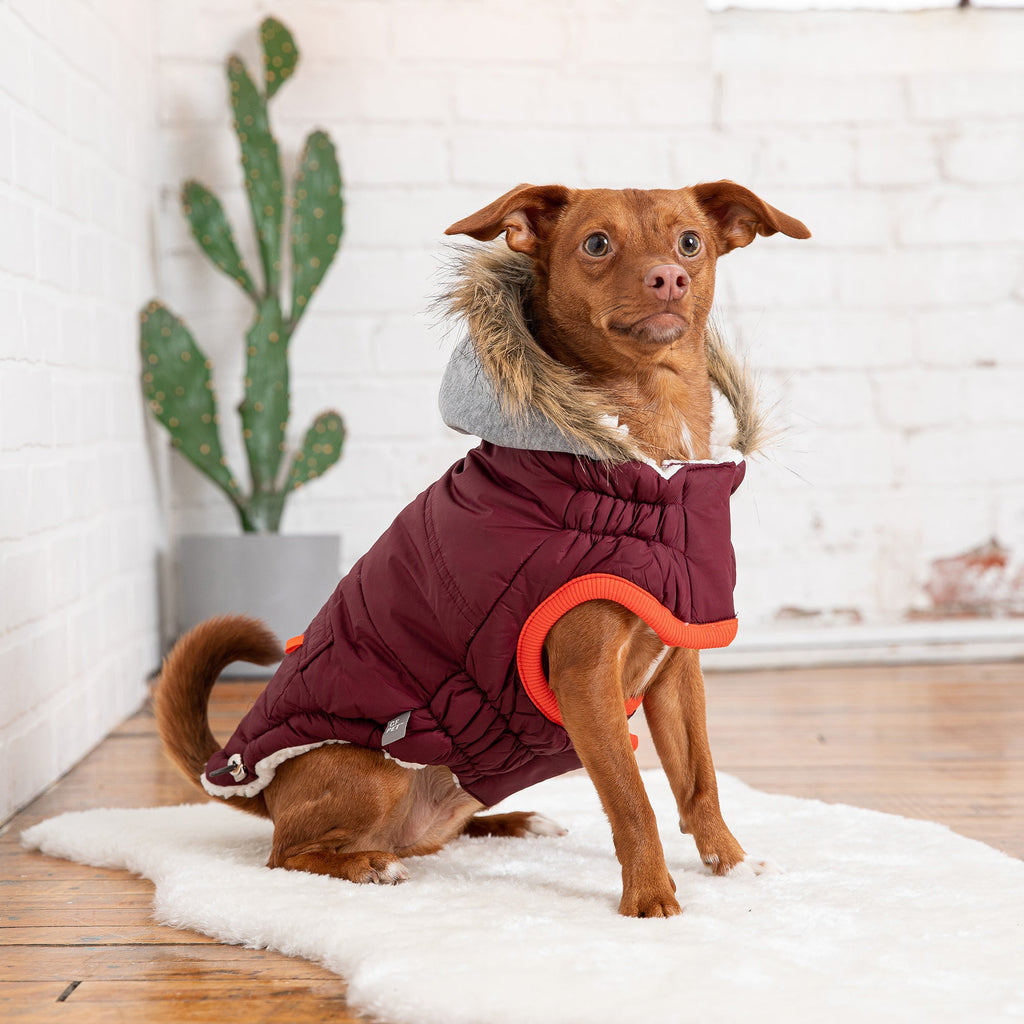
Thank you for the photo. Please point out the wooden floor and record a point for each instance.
(945, 743)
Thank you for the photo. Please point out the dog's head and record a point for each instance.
(624, 277)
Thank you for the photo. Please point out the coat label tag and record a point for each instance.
(395, 729)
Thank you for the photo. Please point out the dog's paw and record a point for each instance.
(377, 869)
(749, 867)
(649, 905)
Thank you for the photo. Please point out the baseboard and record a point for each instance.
(948, 640)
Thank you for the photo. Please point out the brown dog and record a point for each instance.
(621, 288)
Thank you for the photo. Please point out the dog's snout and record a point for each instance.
(668, 281)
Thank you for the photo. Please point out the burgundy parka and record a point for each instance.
(423, 632)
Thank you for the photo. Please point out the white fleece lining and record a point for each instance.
(265, 771)
(267, 768)
(719, 454)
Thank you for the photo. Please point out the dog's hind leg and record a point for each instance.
(352, 813)
(333, 809)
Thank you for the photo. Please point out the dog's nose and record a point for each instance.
(669, 281)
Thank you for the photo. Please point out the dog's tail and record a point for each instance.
(183, 691)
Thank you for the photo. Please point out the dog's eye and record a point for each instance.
(689, 243)
(597, 245)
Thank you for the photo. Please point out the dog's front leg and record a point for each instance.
(586, 650)
(675, 711)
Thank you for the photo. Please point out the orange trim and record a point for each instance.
(600, 586)
(295, 643)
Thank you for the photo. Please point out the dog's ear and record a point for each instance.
(526, 215)
(740, 215)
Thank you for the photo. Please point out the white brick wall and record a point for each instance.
(891, 338)
(79, 517)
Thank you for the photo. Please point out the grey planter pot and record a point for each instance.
(283, 580)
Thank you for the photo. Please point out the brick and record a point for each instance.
(980, 457)
(391, 410)
(677, 36)
(794, 99)
(48, 499)
(833, 399)
(40, 323)
(18, 240)
(972, 335)
(875, 42)
(32, 749)
(26, 596)
(836, 217)
(333, 344)
(50, 86)
(376, 281)
(439, 31)
(7, 108)
(28, 406)
(14, 485)
(17, 49)
(518, 96)
(14, 345)
(897, 156)
(56, 257)
(336, 94)
(986, 155)
(194, 93)
(393, 217)
(765, 276)
(917, 399)
(481, 157)
(920, 278)
(994, 394)
(954, 94)
(697, 156)
(953, 217)
(408, 345)
(181, 32)
(638, 160)
(818, 159)
(395, 157)
(208, 153)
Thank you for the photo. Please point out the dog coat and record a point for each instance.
(439, 628)
(431, 648)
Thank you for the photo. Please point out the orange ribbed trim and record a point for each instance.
(295, 643)
(600, 586)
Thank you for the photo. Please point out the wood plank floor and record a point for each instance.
(78, 945)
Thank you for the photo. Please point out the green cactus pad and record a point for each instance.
(317, 219)
(212, 231)
(179, 391)
(280, 54)
(320, 450)
(261, 165)
(265, 409)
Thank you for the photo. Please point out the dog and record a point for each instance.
(514, 615)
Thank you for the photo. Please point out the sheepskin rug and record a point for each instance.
(861, 916)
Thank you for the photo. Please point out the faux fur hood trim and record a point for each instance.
(541, 403)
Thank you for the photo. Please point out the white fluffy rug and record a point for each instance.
(870, 917)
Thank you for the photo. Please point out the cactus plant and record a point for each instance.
(176, 374)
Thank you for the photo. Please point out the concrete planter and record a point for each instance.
(283, 580)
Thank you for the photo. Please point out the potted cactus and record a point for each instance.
(178, 383)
